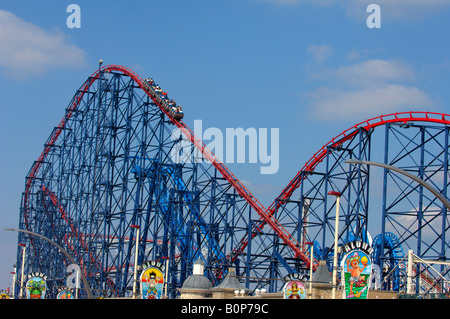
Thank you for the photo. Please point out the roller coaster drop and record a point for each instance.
(107, 167)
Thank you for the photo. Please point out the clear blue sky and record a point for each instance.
(309, 68)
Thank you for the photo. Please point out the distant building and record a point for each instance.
(322, 282)
(196, 286)
(229, 286)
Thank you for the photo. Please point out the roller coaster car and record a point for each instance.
(170, 105)
(176, 112)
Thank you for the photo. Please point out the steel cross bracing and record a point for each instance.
(414, 141)
(108, 166)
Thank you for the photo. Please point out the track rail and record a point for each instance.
(188, 133)
(266, 214)
(400, 118)
(320, 155)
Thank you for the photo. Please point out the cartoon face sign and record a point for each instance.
(65, 294)
(356, 271)
(294, 290)
(152, 282)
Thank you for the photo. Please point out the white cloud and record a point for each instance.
(339, 105)
(398, 9)
(409, 220)
(27, 49)
(320, 52)
(374, 72)
(296, 2)
(368, 72)
(365, 89)
(390, 9)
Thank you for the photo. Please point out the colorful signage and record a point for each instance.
(152, 280)
(65, 293)
(36, 286)
(294, 289)
(356, 270)
(4, 294)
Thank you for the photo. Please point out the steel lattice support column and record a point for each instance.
(109, 165)
(417, 218)
(312, 212)
(119, 158)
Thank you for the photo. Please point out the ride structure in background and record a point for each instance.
(109, 168)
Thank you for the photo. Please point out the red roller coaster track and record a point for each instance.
(266, 215)
(242, 190)
(319, 156)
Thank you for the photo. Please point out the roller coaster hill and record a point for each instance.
(108, 167)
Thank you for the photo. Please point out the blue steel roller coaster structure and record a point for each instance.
(109, 166)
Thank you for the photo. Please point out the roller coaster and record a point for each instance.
(108, 167)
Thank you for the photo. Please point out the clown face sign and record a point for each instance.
(152, 280)
(356, 271)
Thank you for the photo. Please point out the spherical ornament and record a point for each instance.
(364, 260)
